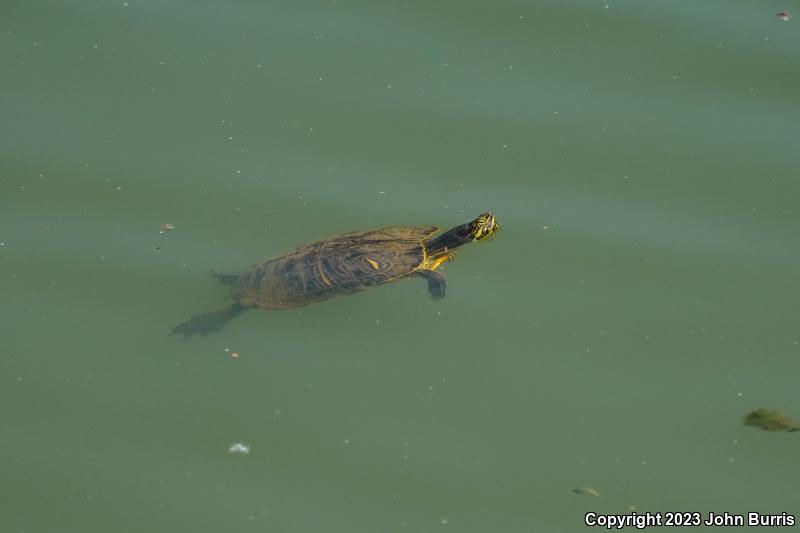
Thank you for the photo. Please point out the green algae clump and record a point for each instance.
(770, 420)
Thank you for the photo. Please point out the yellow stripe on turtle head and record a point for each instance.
(374, 264)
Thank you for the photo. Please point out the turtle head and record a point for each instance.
(474, 230)
(483, 226)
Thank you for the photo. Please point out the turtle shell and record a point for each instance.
(319, 270)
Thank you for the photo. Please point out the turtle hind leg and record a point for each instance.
(226, 278)
(205, 323)
(437, 284)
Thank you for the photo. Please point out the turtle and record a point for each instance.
(345, 264)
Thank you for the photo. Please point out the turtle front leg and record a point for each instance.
(436, 283)
(447, 255)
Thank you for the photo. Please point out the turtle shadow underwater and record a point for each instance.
(345, 264)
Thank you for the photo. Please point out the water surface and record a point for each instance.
(639, 300)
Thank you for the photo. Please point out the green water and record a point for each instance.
(639, 300)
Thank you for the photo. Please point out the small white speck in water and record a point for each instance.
(239, 448)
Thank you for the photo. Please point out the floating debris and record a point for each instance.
(232, 353)
(783, 15)
(770, 420)
(166, 227)
(239, 448)
(588, 491)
